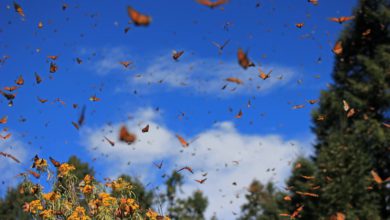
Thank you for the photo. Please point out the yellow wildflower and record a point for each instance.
(87, 189)
(47, 214)
(35, 206)
(88, 179)
(64, 169)
(120, 185)
(79, 214)
(151, 214)
(51, 196)
(132, 203)
(106, 199)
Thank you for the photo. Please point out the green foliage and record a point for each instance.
(11, 205)
(348, 148)
(82, 169)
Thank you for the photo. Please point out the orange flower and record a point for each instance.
(64, 169)
(51, 196)
(88, 179)
(88, 189)
(35, 206)
(79, 214)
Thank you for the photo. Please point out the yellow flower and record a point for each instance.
(35, 206)
(151, 214)
(47, 214)
(132, 203)
(120, 185)
(88, 179)
(87, 189)
(106, 199)
(51, 196)
(64, 169)
(78, 214)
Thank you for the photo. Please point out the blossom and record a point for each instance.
(120, 185)
(35, 206)
(107, 200)
(51, 196)
(64, 169)
(40, 164)
(88, 179)
(87, 189)
(47, 214)
(79, 214)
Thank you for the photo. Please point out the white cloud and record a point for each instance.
(8, 167)
(215, 151)
(198, 75)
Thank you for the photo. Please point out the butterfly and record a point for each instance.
(312, 101)
(377, 178)
(189, 169)
(211, 4)
(298, 106)
(145, 129)
(239, 114)
(10, 156)
(386, 125)
(40, 25)
(42, 100)
(126, 136)
(159, 165)
(53, 68)
(342, 19)
(112, 143)
(138, 18)
(18, 9)
(125, 63)
(52, 57)
(296, 212)
(8, 96)
(220, 47)
(201, 181)
(234, 80)
(287, 198)
(314, 2)
(19, 81)
(38, 78)
(4, 120)
(54, 162)
(78, 60)
(35, 174)
(299, 25)
(183, 142)
(338, 48)
(263, 75)
(243, 59)
(10, 88)
(306, 194)
(94, 98)
(177, 54)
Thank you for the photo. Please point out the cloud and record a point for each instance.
(194, 74)
(9, 168)
(222, 151)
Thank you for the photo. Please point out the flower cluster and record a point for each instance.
(87, 199)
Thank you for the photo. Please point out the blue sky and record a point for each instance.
(94, 32)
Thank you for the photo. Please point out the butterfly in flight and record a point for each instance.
(138, 18)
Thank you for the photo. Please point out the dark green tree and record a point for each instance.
(190, 208)
(263, 202)
(353, 141)
(82, 168)
(11, 205)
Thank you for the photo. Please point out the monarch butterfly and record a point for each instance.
(211, 4)
(52, 57)
(40, 25)
(177, 54)
(112, 143)
(42, 100)
(299, 25)
(345, 105)
(314, 2)
(189, 169)
(94, 98)
(367, 32)
(306, 194)
(18, 9)
(296, 212)
(298, 106)
(145, 129)
(263, 75)
(342, 19)
(183, 142)
(35, 174)
(201, 181)
(8, 96)
(53, 68)
(11, 88)
(243, 59)
(138, 18)
(4, 120)
(159, 165)
(38, 78)
(239, 114)
(19, 81)
(338, 48)
(338, 216)
(234, 80)
(125, 63)
(126, 136)
(312, 101)
(54, 162)
(10, 156)
(75, 125)
(78, 60)
(287, 198)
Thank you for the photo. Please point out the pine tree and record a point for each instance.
(352, 139)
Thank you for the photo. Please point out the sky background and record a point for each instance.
(174, 97)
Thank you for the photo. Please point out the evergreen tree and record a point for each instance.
(352, 141)
(82, 169)
(11, 205)
(262, 202)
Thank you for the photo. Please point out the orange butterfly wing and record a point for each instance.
(126, 136)
(138, 18)
(183, 142)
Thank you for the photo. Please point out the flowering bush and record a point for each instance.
(88, 199)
